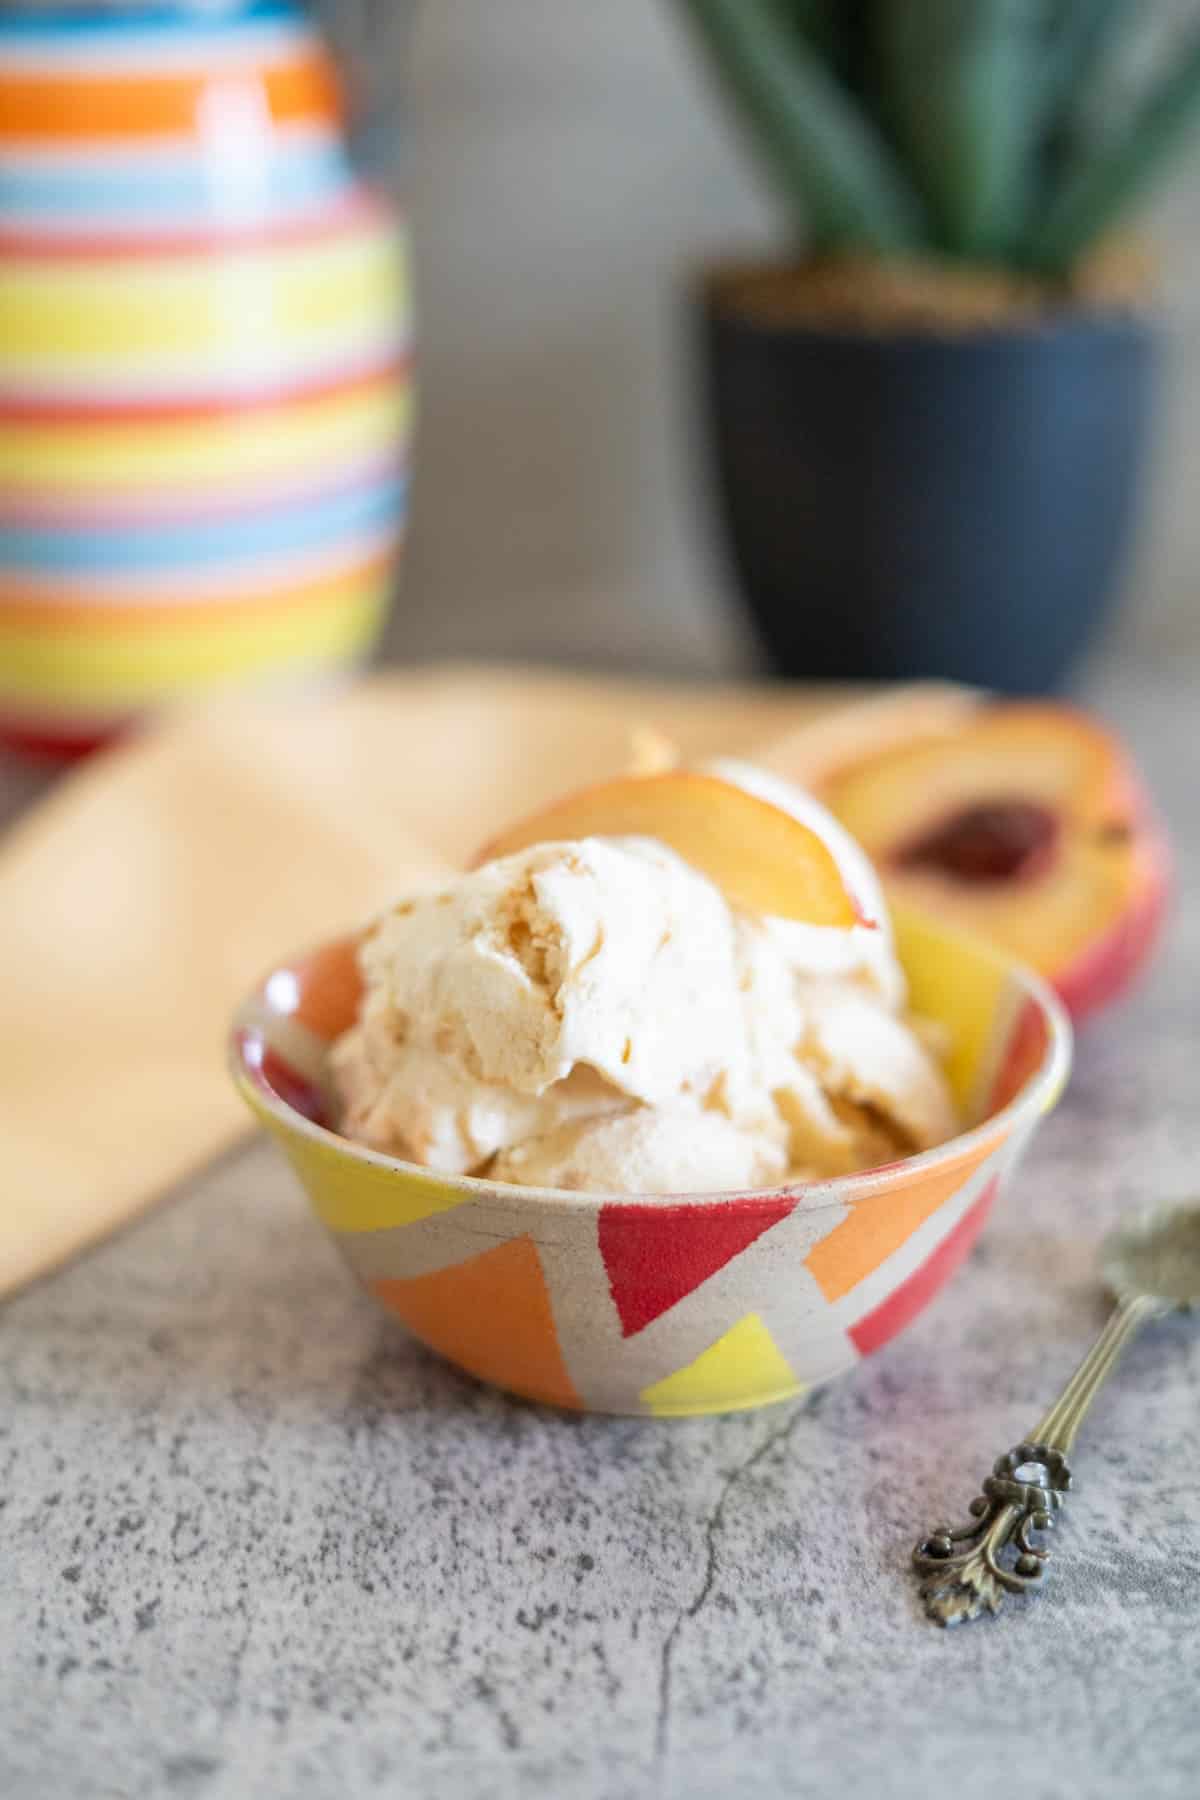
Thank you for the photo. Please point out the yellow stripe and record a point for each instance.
(129, 669)
(135, 310)
(744, 1368)
(259, 443)
(353, 1197)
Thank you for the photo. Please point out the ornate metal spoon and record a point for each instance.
(1152, 1265)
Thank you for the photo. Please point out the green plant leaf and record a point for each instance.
(1098, 187)
(967, 99)
(850, 46)
(1081, 34)
(828, 160)
(838, 31)
(820, 23)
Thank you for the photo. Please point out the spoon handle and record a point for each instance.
(962, 1568)
(1059, 1427)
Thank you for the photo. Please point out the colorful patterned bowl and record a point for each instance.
(664, 1306)
(204, 341)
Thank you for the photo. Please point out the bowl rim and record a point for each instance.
(1037, 1094)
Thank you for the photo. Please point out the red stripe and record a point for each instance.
(1023, 1055)
(902, 1306)
(57, 746)
(294, 1089)
(53, 246)
(180, 408)
(654, 1256)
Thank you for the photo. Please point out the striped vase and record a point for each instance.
(204, 392)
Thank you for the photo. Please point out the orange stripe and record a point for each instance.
(331, 988)
(100, 619)
(128, 106)
(229, 405)
(232, 404)
(881, 1222)
(492, 1315)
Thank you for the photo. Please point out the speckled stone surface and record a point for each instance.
(254, 1542)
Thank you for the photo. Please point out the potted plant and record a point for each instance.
(930, 424)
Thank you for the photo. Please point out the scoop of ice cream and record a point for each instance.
(414, 1102)
(562, 983)
(593, 1014)
(682, 1148)
(612, 954)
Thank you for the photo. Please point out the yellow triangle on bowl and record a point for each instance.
(743, 1368)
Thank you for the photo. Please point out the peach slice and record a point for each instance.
(1027, 824)
(762, 858)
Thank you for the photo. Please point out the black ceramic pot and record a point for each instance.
(923, 505)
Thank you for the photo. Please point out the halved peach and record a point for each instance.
(1029, 824)
(762, 858)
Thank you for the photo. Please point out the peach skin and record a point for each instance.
(1028, 824)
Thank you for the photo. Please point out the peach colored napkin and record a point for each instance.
(143, 897)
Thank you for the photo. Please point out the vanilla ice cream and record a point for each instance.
(594, 1015)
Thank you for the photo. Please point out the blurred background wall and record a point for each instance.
(566, 172)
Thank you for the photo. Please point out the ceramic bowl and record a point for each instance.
(662, 1305)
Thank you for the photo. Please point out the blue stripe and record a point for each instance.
(178, 190)
(306, 524)
(163, 17)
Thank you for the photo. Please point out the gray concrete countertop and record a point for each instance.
(255, 1542)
